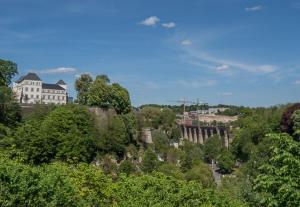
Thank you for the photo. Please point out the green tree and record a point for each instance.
(10, 111)
(57, 184)
(82, 86)
(202, 174)
(225, 161)
(212, 148)
(296, 124)
(150, 161)
(65, 134)
(279, 178)
(119, 99)
(8, 70)
(170, 169)
(161, 190)
(127, 167)
(109, 96)
(113, 139)
(161, 141)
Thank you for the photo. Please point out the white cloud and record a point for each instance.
(254, 8)
(267, 68)
(222, 67)
(169, 25)
(186, 42)
(297, 82)
(150, 21)
(59, 70)
(204, 58)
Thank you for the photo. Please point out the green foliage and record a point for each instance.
(175, 134)
(161, 141)
(279, 179)
(109, 165)
(159, 190)
(119, 99)
(38, 112)
(113, 139)
(150, 161)
(170, 169)
(191, 155)
(226, 161)
(287, 120)
(52, 185)
(130, 122)
(10, 111)
(149, 117)
(8, 70)
(82, 86)
(212, 148)
(103, 95)
(202, 174)
(127, 167)
(296, 124)
(70, 139)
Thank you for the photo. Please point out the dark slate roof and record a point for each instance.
(52, 86)
(61, 82)
(29, 76)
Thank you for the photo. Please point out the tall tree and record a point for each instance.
(8, 70)
(287, 121)
(82, 86)
(279, 180)
(10, 111)
(296, 124)
(104, 95)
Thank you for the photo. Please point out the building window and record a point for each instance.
(37, 96)
(53, 97)
(31, 89)
(26, 89)
(43, 97)
(31, 96)
(58, 97)
(38, 89)
(49, 97)
(63, 98)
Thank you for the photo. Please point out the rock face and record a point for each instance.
(147, 136)
(101, 116)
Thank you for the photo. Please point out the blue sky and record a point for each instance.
(220, 51)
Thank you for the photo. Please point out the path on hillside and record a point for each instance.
(216, 174)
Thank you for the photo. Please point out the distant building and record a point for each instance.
(209, 111)
(30, 89)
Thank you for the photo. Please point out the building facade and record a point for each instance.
(30, 89)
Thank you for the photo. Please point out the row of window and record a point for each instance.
(32, 89)
(52, 91)
(45, 90)
(49, 97)
(32, 83)
(53, 97)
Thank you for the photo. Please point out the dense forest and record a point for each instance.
(65, 155)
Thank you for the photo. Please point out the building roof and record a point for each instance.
(52, 86)
(61, 82)
(29, 76)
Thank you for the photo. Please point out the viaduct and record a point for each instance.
(199, 134)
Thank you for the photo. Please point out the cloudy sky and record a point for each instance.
(243, 52)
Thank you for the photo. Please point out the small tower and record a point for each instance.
(62, 84)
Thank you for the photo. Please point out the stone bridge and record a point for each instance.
(199, 134)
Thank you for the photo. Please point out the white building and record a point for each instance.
(30, 89)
